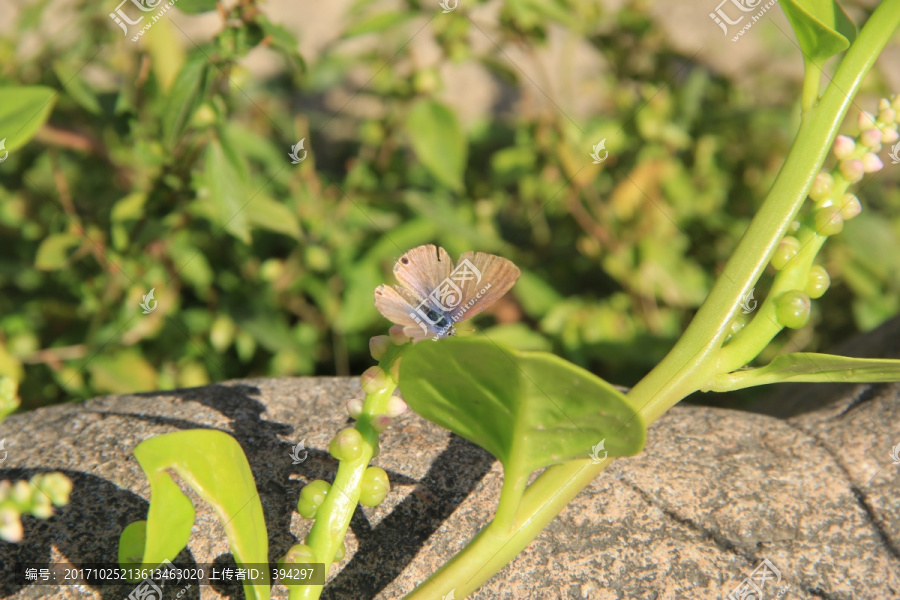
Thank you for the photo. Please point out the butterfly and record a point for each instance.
(433, 295)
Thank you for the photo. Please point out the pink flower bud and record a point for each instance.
(850, 206)
(397, 336)
(887, 116)
(865, 121)
(378, 346)
(354, 407)
(871, 138)
(852, 170)
(844, 146)
(822, 186)
(374, 380)
(889, 135)
(381, 422)
(871, 163)
(883, 104)
(396, 406)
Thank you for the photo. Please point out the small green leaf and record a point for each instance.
(266, 213)
(439, 141)
(76, 87)
(194, 7)
(213, 465)
(378, 23)
(129, 208)
(53, 253)
(226, 180)
(185, 96)
(812, 367)
(124, 372)
(22, 112)
(822, 28)
(529, 409)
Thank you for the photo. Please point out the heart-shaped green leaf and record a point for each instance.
(529, 409)
(23, 111)
(213, 465)
(439, 141)
(812, 367)
(822, 27)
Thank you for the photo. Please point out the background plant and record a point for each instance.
(149, 150)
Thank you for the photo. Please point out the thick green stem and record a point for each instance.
(333, 516)
(691, 364)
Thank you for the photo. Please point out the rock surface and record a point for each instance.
(714, 492)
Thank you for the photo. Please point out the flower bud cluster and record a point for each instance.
(856, 157)
(36, 497)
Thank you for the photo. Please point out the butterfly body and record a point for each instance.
(434, 294)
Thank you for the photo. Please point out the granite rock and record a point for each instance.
(714, 493)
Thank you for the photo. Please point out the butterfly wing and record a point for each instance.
(423, 269)
(399, 309)
(497, 274)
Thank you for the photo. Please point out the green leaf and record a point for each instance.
(23, 111)
(528, 409)
(378, 23)
(266, 213)
(439, 141)
(76, 87)
(185, 96)
(214, 466)
(822, 28)
(226, 179)
(812, 367)
(53, 253)
(124, 372)
(194, 7)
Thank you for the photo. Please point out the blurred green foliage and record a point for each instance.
(163, 165)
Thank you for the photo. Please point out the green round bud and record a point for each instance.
(311, 498)
(786, 250)
(822, 187)
(828, 220)
(21, 495)
(850, 206)
(299, 554)
(347, 444)
(792, 309)
(341, 552)
(375, 486)
(818, 281)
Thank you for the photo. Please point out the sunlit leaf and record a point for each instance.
(54, 251)
(185, 97)
(226, 180)
(378, 23)
(213, 464)
(23, 110)
(266, 213)
(822, 27)
(123, 372)
(812, 367)
(528, 409)
(193, 7)
(439, 141)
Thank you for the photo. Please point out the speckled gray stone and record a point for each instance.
(714, 492)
